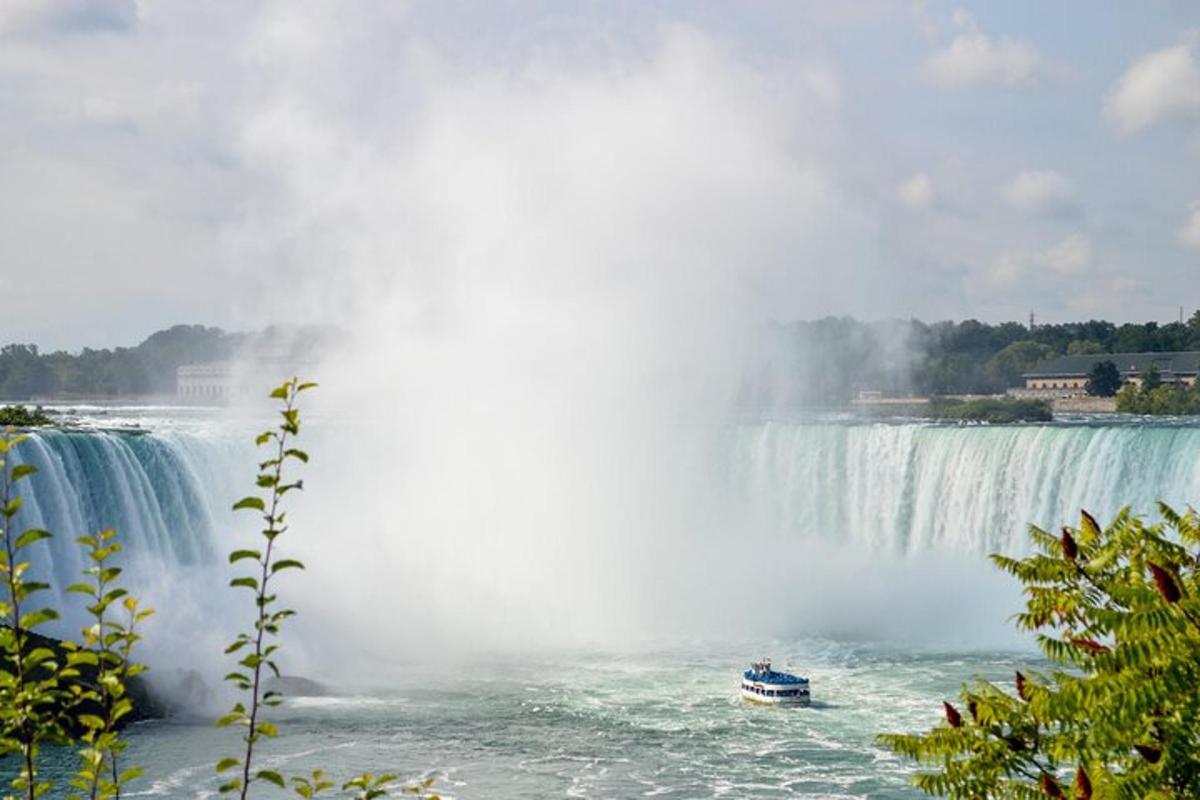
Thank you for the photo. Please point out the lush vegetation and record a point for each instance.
(1156, 397)
(79, 694)
(989, 409)
(828, 361)
(1104, 380)
(820, 362)
(22, 417)
(1117, 611)
(148, 368)
(974, 357)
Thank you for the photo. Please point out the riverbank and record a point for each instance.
(920, 406)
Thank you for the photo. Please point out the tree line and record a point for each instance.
(828, 361)
(146, 369)
(824, 361)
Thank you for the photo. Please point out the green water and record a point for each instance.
(658, 724)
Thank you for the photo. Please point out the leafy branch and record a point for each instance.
(29, 688)
(248, 677)
(108, 649)
(1118, 610)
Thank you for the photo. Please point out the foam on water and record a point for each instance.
(665, 722)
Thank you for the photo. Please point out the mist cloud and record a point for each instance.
(550, 272)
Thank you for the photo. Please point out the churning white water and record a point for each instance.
(659, 718)
(905, 489)
(902, 492)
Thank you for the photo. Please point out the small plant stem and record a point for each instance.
(13, 580)
(261, 625)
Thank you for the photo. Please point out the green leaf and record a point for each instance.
(39, 617)
(30, 536)
(255, 503)
(246, 581)
(238, 555)
(90, 721)
(231, 718)
(228, 763)
(272, 776)
(286, 563)
(23, 470)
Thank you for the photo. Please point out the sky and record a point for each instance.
(238, 164)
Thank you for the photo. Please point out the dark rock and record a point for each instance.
(146, 704)
(296, 686)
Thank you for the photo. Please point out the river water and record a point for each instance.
(659, 717)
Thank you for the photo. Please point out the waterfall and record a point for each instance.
(907, 488)
(167, 495)
(889, 490)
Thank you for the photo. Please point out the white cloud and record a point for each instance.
(41, 16)
(973, 57)
(917, 191)
(1040, 192)
(1006, 270)
(1071, 256)
(1162, 85)
(1189, 234)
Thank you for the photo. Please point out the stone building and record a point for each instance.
(221, 382)
(205, 382)
(1068, 375)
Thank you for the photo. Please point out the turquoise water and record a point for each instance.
(873, 528)
(601, 725)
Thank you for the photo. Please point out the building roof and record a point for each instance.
(1128, 364)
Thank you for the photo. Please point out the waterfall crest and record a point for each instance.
(907, 488)
(167, 494)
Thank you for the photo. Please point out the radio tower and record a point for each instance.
(1031, 321)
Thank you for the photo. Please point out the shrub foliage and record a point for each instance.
(1117, 611)
(989, 409)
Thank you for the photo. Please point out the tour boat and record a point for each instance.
(762, 684)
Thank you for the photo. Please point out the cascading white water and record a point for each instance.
(902, 493)
(166, 494)
(907, 488)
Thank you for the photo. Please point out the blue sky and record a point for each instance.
(166, 162)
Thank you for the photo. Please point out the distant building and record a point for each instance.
(222, 382)
(207, 382)
(1068, 375)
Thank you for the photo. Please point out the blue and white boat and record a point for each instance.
(762, 684)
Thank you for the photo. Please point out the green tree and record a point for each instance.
(1007, 366)
(1117, 610)
(1104, 379)
(1129, 400)
(1084, 347)
(1151, 379)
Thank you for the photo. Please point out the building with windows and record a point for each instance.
(222, 382)
(1068, 375)
(204, 382)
